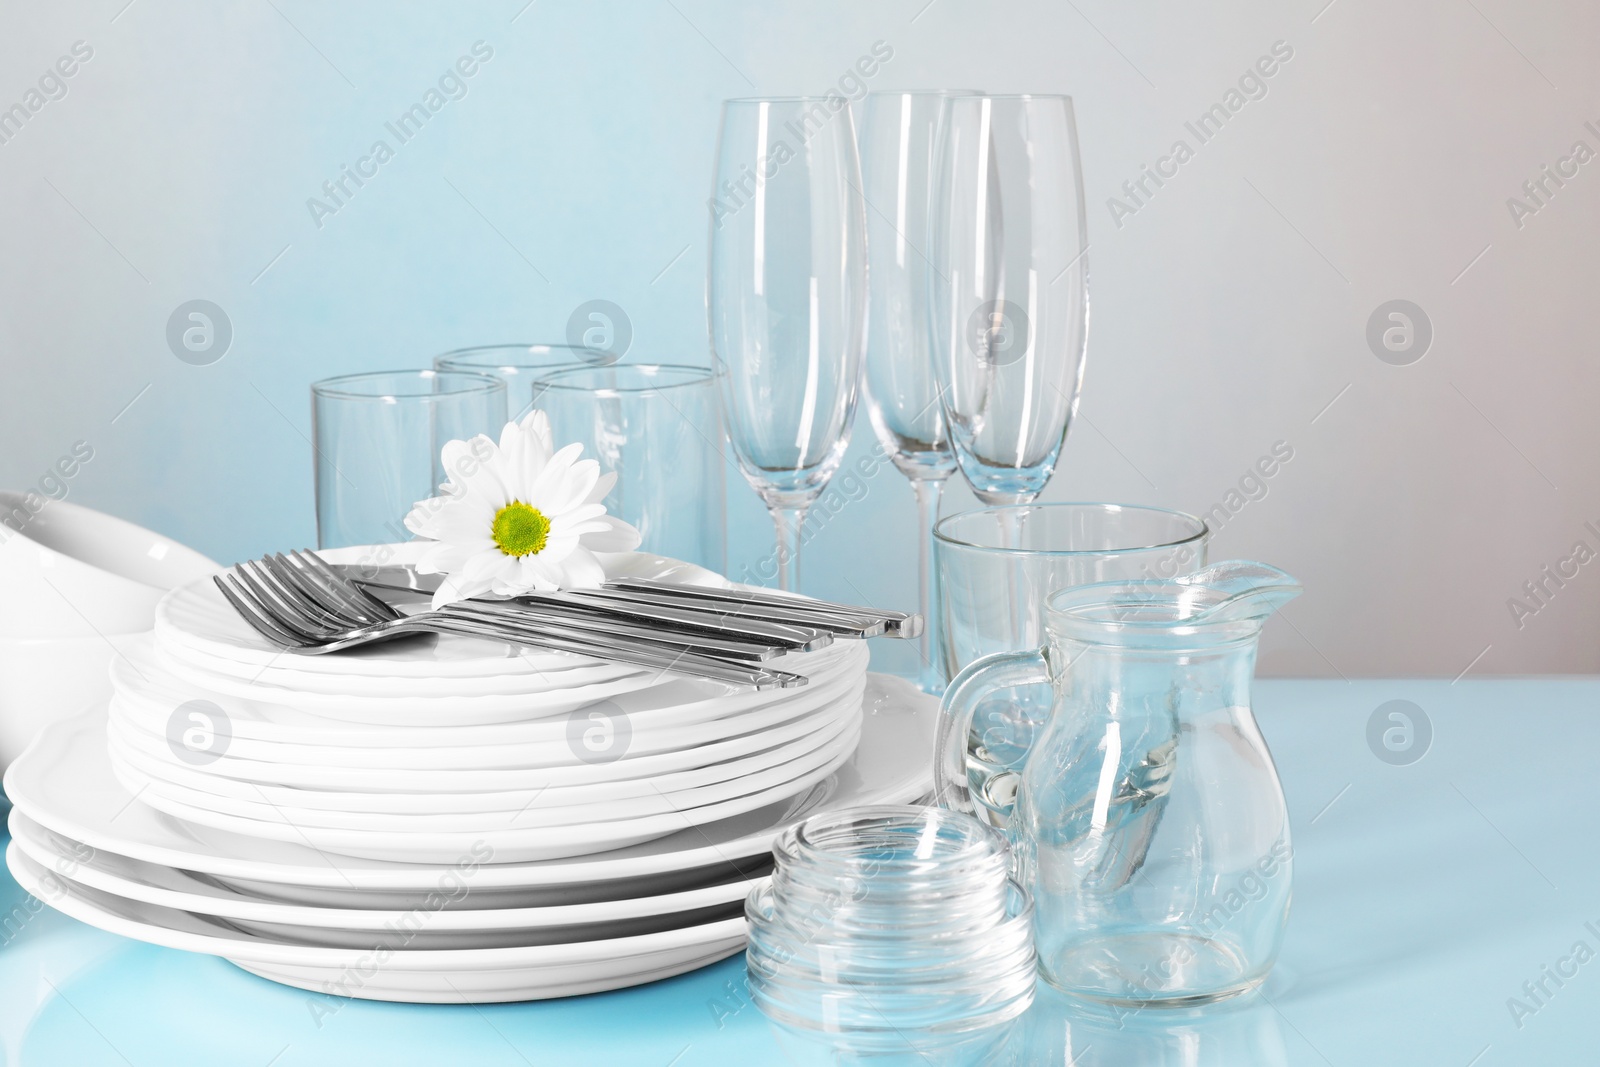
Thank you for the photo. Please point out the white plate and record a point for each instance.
(603, 803)
(481, 975)
(199, 621)
(65, 783)
(434, 915)
(657, 717)
(159, 678)
(518, 843)
(651, 775)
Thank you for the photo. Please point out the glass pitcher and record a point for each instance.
(1148, 819)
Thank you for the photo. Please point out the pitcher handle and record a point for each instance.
(999, 670)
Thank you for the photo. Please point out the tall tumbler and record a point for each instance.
(519, 366)
(377, 439)
(657, 427)
(997, 568)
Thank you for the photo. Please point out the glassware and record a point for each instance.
(1065, 1030)
(997, 569)
(1010, 295)
(656, 426)
(377, 439)
(519, 366)
(1148, 819)
(786, 299)
(899, 139)
(891, 928)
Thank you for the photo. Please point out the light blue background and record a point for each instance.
(1229, 310)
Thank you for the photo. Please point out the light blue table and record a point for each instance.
(1426, 896)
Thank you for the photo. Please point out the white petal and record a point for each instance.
(536, 424)
(532, 572)
(602, 487)
(453, 589)
(547, 487)
(576, 516)
(447, 557)
(618, 536)
(486, 565)
(527, 451)
(420, 519)
(460, 459)
(583, 571)
(557, 550)
(575, 487)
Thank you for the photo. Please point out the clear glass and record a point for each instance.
(786, 297)
(519, 366)
(997, 569)
(899, 142)
(1148, 819)
(656, 425)
(377, 439)
(1065, 1030)
(891, 928)
(1009, 287)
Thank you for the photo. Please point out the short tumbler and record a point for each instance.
(998, 567)
(657, 427)
(377, 439)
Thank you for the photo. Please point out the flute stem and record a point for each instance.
(930, 672)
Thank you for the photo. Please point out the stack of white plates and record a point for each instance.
(428, 822)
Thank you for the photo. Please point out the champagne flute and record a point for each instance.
(1009, 288)
(786, 299)
(899, 142)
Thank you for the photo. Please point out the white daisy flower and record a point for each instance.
(518, 517)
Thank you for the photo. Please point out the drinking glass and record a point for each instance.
(519, 366)
(1009, 287)
(656, 426)
(377, 439)
(998, 567)
(786, 298)
(899, 139)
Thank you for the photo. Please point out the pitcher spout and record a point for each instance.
(1223, 602)
(1235, 590)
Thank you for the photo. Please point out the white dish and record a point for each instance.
(458, 703)
(73, 572)
(518, 843)
(648, 751)
(760, 747)
(66, 856)
(47, 680)
(65, 783)
(604, 803)
(481, 975)
(435, 914)
(148, 693)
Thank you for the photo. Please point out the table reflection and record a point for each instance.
(1061, 1031)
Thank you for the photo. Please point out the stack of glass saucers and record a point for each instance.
(888, 927)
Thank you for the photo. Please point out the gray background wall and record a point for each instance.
(1231, 306)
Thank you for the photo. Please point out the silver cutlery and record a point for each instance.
(896, 623)
(838, 619)
(300, 604)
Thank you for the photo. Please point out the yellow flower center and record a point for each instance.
(520, 529)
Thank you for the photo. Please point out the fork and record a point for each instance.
(298, 603)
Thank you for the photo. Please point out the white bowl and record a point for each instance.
(46, 680)
(73, 572)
